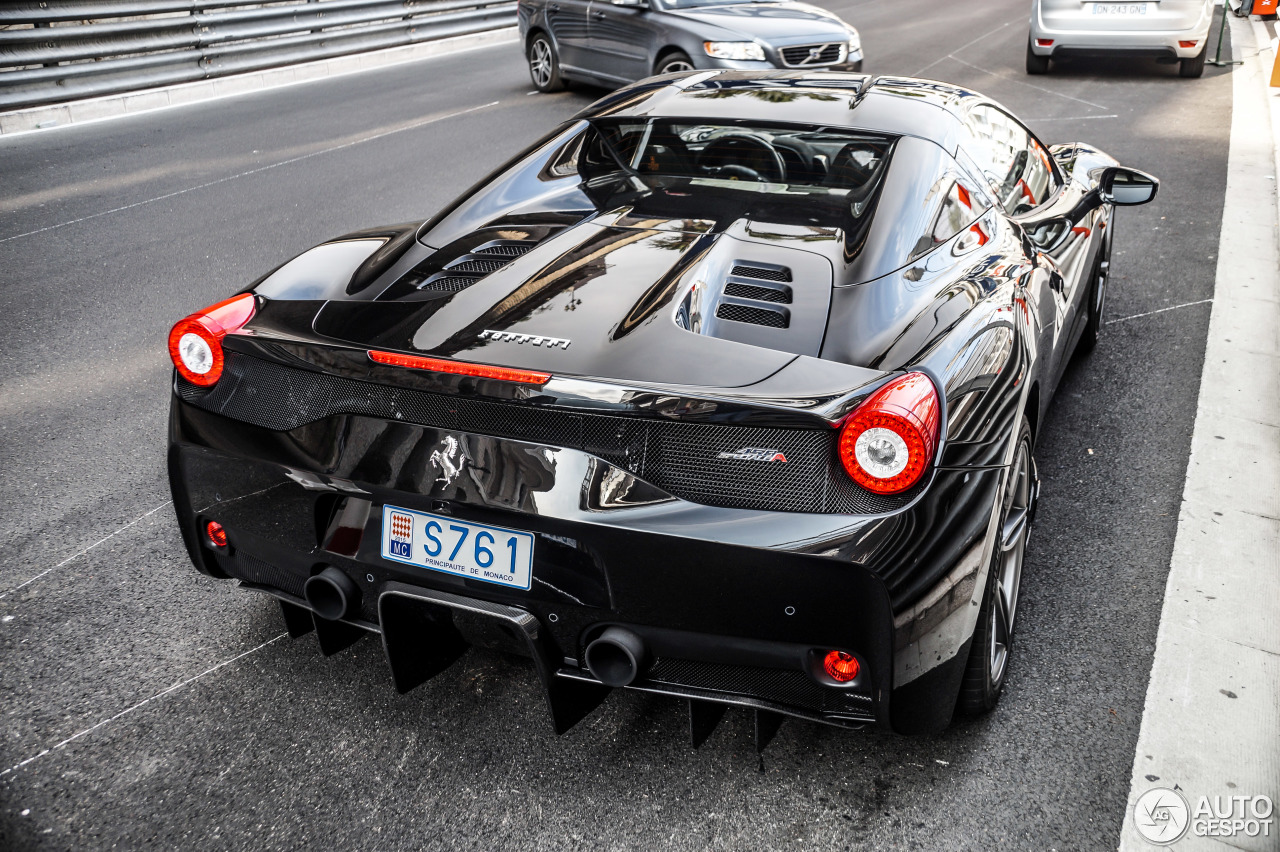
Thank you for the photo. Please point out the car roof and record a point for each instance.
(898, 106)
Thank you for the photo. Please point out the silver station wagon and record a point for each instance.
(611, 42)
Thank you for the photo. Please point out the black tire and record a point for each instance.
(670, 63)
(1194, 66)
(992, 646)
(544, 65)
(1036, 64)
(1097, 297)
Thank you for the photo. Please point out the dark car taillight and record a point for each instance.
(888, 442)
(195, 343)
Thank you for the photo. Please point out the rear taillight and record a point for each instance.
(195, 343)
(887, 443)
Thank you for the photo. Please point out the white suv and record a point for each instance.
(1169, 30)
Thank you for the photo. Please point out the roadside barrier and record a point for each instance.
(62, 50)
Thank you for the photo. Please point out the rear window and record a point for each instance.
(779, 157)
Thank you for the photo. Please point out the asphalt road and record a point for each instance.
(141, 707)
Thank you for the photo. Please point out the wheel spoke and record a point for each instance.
(1015, 524)
(999, 635)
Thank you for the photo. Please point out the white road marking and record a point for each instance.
(1069, 118)
(139, 705)
(86, 550)
(1024, 83)
(371, 137)
(1211, 720)
(1158, 311)
(966, 45)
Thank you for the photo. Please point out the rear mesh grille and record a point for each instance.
(449, 283)
(755, 316)
(255, 570)
(504, 249)
(468, 268)
(760, 273)
(804, 55)
(760, 294)
(484, 267)
(784, 686)
(681, 458)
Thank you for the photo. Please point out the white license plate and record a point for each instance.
(491, 554)
(1119, 8)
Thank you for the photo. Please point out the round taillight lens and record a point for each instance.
(840, 666)
(216, 533)
(195, 343)
(887, 443)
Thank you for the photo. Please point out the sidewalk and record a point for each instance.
(1211, 726)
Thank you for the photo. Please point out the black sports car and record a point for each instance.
(727, 389)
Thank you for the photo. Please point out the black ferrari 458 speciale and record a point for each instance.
(727, 389)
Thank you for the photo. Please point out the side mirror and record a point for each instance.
(1121, 185)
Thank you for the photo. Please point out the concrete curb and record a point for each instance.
(34, 119)
(1211, 724)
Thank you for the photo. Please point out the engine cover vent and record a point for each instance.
(755, 316)
(781, 295)
(768, 294)
(761, 273)
(467, 269)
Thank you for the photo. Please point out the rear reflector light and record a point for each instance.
(460, 368)
(1187, 43)
(840, 666)
(1044, 42)
(217, 535)
(195, 343)
(887, 443)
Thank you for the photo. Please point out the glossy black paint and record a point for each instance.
(609, 263)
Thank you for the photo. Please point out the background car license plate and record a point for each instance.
(1119, 8)
(492, 554)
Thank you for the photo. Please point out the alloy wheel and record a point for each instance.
(1015, 515)
(540, 63)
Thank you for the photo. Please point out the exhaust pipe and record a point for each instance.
(617, 657)
(331, 594)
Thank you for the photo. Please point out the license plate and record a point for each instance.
(1119, 8)
(491, 554)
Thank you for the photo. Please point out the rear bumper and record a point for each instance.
(732, 604)
(1090, 42)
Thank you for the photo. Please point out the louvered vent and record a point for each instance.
(761, 273)
(483, 260)
(755, 316)
(760, 294)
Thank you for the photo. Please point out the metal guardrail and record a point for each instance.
(62, 50)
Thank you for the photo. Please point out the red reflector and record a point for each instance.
(841, 666)
(1044, 42)
(459, 368)
(1187, 43)
(887, 443)
(217, 535)
(195, 343)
